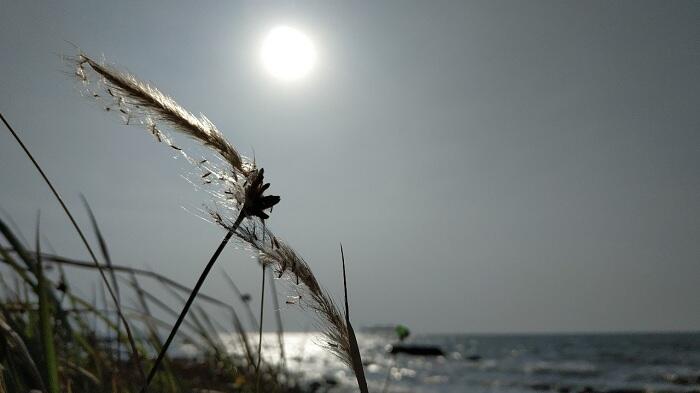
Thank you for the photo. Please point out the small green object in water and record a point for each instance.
(402, 331)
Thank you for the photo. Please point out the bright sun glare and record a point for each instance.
(288, 54)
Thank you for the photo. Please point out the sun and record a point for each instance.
(288, 54)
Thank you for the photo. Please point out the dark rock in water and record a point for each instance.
(474, 358)
(314, 386)
(417, 350)
(587, 389)
(541, 386)
(564, 389)
(683, 379)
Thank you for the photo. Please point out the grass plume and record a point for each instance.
(241, 193)
(241, 184)
(285, 261)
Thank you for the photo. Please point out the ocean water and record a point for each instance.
(506, 363)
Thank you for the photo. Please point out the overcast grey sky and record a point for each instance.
(489, 166)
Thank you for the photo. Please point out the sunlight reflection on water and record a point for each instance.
(652, 363)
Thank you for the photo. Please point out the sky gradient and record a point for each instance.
(489, 166)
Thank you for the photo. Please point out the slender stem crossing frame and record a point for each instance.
(190, 300)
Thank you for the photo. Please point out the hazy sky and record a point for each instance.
(489, 166)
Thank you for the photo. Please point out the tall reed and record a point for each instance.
(238, 202)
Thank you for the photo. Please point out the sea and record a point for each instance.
(563, 363)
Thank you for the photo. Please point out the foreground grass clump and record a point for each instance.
(54, 340)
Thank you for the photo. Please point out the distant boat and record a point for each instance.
(416, 350)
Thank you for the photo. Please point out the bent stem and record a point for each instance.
(355, 358)
(190, 300)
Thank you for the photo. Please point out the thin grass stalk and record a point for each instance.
(354, 349)
(278, 320)
(108, 260)
(262, 308)
(46, 323)
(132, 342)
(188, 304)
(245, 302)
